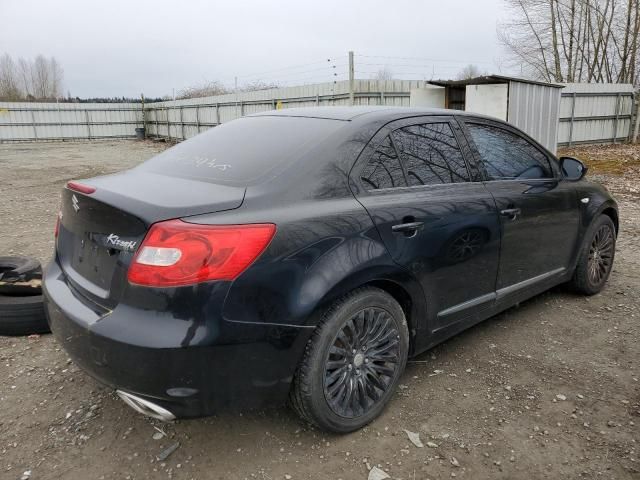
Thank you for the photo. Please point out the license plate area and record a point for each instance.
(94, 262)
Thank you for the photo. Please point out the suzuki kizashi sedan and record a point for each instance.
(305, 254)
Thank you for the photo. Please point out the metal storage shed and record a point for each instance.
(531, 106)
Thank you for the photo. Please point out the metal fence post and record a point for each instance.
(144, 116)
(573, 113)
(637, 127)
(382, 102)
(217, 114)
(59, 118)
(198, 117)
(35, 129)
(166, 109)
(615, 121)
(182, 124)
(351, 79)
(86, 113)
(155, 114)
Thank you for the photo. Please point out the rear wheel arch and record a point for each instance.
(404, 299)
(409, 297)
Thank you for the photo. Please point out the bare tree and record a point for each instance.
(211, 88)
(9, 80)
(41, 77)
(384, 73)
(24, 72)
(256, 85)
(574, 40)
(468, 72)
(57, 76)
(205, 89)
(38, 79)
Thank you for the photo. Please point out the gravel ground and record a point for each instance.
(545, 390)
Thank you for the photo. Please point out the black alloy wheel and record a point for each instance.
(601, 254)
(595, 260)
(361, 363)
(352, 362)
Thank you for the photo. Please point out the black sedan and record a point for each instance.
(307, 253)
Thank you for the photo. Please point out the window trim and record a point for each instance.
(466, 121)
(388, 129)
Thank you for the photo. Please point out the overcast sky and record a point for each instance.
(123, 48)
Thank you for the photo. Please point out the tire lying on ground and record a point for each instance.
(22, 315)
(20, 276)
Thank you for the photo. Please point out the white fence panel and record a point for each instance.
(595, 113)
(589, 113)
(21, 121)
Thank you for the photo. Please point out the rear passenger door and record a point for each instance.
(433, 214)
(539, 212)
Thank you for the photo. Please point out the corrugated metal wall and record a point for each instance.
(595, 113)
(534, 109)
(588, 112)
(183, 119)
(68, 121)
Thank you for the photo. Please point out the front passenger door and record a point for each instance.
(539, 213)
(434, 219)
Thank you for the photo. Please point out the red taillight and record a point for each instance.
(57, 228)
(80, 188)
(178, 253)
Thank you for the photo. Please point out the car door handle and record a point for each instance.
(512, 213)
(410, 227)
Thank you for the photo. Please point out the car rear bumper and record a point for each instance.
(185, 369)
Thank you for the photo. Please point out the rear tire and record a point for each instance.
(353, 362)
(595, 260)
(22, 315)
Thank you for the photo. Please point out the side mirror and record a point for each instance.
(572, 168)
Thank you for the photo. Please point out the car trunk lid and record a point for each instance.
(100, 232)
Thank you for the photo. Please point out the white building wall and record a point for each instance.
(491, 100)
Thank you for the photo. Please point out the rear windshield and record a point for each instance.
(244, 151)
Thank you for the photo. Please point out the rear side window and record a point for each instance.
(507, 156)
(244, 151)
(383, 169)
(431, 154)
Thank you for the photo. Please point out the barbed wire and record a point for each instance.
(335, 67)
(425, 59)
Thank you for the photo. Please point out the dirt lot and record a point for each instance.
(546, 390)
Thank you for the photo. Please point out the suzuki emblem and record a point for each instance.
(74, 202)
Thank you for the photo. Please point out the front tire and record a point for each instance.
(353, 362)
(595, 260)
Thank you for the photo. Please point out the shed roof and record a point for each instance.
(487, 79)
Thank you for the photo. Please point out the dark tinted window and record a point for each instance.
(431, 154)
(243, 151)
(506, 155)
(383, 169)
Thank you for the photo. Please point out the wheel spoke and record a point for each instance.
(375, 379)
(336, 375)
(334, 350)
(383, 369)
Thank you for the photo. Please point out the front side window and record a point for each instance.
(383, 169)
(507, 156)
(430, 154)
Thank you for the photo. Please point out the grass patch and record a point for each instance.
(606, 159)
